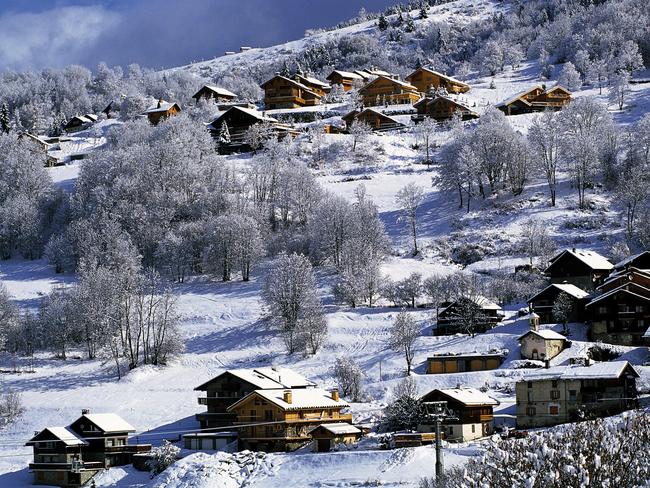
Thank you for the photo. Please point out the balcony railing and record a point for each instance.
(129, 448)
(65, 466)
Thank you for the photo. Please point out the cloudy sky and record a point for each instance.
(155, 33)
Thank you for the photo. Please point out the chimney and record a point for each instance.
(159, 102)
(573, 249)
(547, 363)
(85, 411)
(335, 395)
(288, 396)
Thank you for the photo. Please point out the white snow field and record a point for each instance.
(224, 326)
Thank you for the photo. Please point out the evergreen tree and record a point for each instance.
(409, 26)
(285, 70)
(224, 134)
(5, 124)
(382, 23)
(424, 11)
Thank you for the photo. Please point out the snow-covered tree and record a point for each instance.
(406, 410)
(403, 336)
(537, 240)
(562, 310)
(427, 130)
(569, 77)
(11, 407)
(349, 377)
(5, 119)
(410, 198)
(619, 89)
(162, 457)
(545, 139)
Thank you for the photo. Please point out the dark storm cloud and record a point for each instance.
(156, 34)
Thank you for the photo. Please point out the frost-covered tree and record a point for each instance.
(162, 457)
(619, 89)
(409, 289)
(562, 310)
(403, 336)
(427, 130)
(349, 377)
(537, 241)
(360, 131)
(410, 198)
(11, 408)
(406, 410)
(5, 119)
(569, 77)
(382, 23)
(545, 140)
(632, 191)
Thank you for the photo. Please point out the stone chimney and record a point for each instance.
(335, 395)
(159, 103)
(288, 396)
(85, 411)
(547, 363)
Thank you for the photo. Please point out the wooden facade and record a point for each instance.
(640, 261)
(326, 436)
(425, 79)
(283, 92)
(567, 394)
(580, 267)
(231, 386)
(374, 118)
(486, 315)
(314, 84)
(536, 99)
(542, 303)
(79, 123)
(441, 107)
(473, 409)
(216, 93)
(388, 91)
(346, 79)
(161, 111)
(463, 363)
(285, 417)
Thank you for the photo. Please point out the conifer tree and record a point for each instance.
(224, 134)
(382, 23)
(424, 11)
(5, 124)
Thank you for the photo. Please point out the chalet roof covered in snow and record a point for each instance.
(63, 434)
(401, 83)
(518, 97)
(285, 377)
(293, 82)
(109, 422)
(222, 92)
(314, 81)
(625, 262)
(545, 334)
(605, 370)
(624, 288)
(468, 396)
(267, 378)
(338, 428)
(160, 106)
(568, 288)
(301, 399)
(440, 75)
(590, 258)
(346, 74)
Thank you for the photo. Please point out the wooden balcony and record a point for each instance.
(86, 465)
(129, 448)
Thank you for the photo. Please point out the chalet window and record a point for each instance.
(253, 415)
(602, 310)
(109, 442)
(640, 309)
(531, 411)
(257, 401)
(573, 395)
(268, 415)
(554, 383)
(530, 384)
(473, 428)
(555, 394)
(554, 410)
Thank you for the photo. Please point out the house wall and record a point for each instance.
(388, 92)
(461, 364)
(425, 80)
(545, 348)
(620, 319)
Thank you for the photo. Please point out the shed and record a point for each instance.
(542, 344)
(326, 436)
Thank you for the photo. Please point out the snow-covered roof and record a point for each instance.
(485, 304)
(250, 111)
(314, 81)
(647, 333)
(63, 434)
(623, 288)
(285, 377)
(626, 261)
(469, 396)
(301, 399)
(568, 288)
(517, 96)
(109, 422)
(160, 106)
(346, 74)
(86, 118)
(338, 428)
(590, 258)
(294, 82)
(545, 334)
(605, 370)
(396, 81)
(218, 90)
(437, 73)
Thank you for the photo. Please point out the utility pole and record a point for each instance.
(437, 412)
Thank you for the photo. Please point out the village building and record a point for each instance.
(231, 386)
(314, 84)
(473, 411)
(79, 123)
(536, 99)
(346, 79)
(621, 314)
(563, 394)
(71, 456)
(425, 79)
(468, 315)
(326, 436)
(580, 267)
(216, 93)
(543, 302)
(639, 261)
(441, 107)
(542, 345)
(161, 110)
(283, 92)
(463, 362)
(374, 118)
(285, 417)
(384, 90)
(210, 441)
(238, 120)
(372, 72)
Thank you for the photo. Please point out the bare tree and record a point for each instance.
(403, 336)
(545, 140)
(348, 375)
(427, 130)
(360, 131)
(537, 240)
(409, 198)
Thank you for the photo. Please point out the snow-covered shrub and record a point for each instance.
(467, 253)
(11, 408)
(603, 352)
(406, 410)
(348, 375)
(162, 457)
(613, 452)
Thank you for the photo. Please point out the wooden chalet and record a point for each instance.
(638, 261)
(161, 110)
(285, 417)
(346, 79)
(580, 267)
(326, 436)
(314, 84)
(542, 345)
(239, 120)
(473, 409)
(216, 93)
(542, 303)
(384, 90)
(536, 99)
(621, 313)
(79, 122)
(231, 386)
(283, 92)
(425, 79)
(563, 394)
(209, 441)
(463, 362)
(374, 118)
(71, 456)
(442, 107)
(485, 315)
